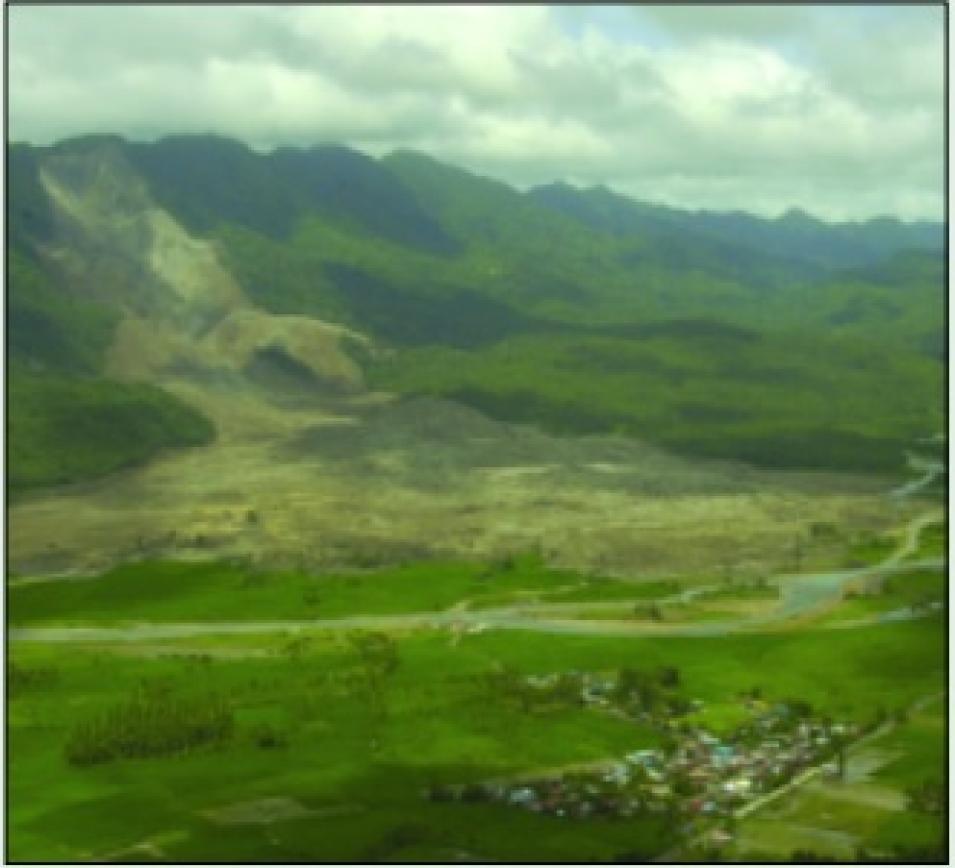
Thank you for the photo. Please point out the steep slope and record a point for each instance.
(48, 328)
(612, 316)
(66, 430)
(701, 389)
(115, 309)
(67, 423)
(205, 181)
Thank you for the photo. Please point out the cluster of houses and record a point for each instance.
(697, 775)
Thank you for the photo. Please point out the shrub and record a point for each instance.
(21, 678)
(268, 737)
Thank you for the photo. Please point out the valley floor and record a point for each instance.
(367, 480)
(332, 742)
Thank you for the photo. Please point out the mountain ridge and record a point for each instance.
(789, 214)
(414, 263)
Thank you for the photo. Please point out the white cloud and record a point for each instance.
(836, 110)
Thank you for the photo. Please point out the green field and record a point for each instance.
(306, 728)
(868, 819)
(176, 590)
(914, 589)
(933, 542)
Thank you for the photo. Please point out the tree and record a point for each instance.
(669, 676)
(635, 684)
(927, 797)
(377, 658)
(506, 680)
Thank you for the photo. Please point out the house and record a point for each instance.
(522, 796)
(644, 758)
(723, 754)
(831, 770)
(740, 786)
(617, 774)
(718, 838)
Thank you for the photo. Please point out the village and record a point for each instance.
(696, 779)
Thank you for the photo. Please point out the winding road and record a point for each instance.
(800, 594)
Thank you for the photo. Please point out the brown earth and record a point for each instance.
(310, 469)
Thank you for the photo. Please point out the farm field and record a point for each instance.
(306, 735)
(313, 743)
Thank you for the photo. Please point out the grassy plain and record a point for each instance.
(220, 591)
(913, 589)
(362, 773)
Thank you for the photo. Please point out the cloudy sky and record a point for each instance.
(837, 110)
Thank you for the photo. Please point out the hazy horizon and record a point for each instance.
(524, 188)
(837, 111)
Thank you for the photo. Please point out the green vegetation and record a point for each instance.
(933, 542)
(51, 329)
(363, 774)
(869, 550)
(717, 395)
(441, 727)
(541, 317)
(598, 589)
(588, 313)
(759, 589)
(69, 429)
(174, 590)
(206, 181)
(793, 238)
(152, 723)
(787, 343)
(909, 762)
(66, 423)
(915, 589)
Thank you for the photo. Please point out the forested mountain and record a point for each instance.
(788, 342)
(796, 235)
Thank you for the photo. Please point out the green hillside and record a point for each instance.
(68, 429)
(780, 400)
(795, 236)
(787, 342)
(66, 423)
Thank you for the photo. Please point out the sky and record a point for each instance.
(837, 110)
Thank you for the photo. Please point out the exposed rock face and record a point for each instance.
(185, 317)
